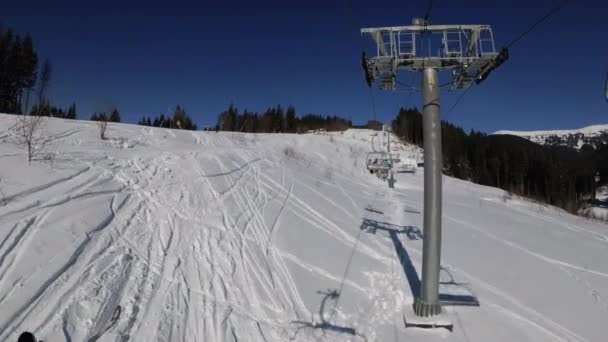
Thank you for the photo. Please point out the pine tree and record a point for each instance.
(71, 113)
(17, 70)
(30, 61)
(114, 116)
(291, 120)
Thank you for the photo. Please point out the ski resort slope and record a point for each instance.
(165, 235)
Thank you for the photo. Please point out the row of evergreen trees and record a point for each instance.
(111, 116)
(46, 109)
(23, 81)
(18, 70)
(560, 176)
(277, 120)
(179, 120)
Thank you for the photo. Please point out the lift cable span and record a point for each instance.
(457, 101)
(428, 11)
(521, 36)
(551, 12)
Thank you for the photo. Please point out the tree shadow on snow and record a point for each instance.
(324, 325)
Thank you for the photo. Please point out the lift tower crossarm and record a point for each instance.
(467, 50)
(423, 28)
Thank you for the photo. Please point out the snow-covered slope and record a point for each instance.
(576, 138)
(163, 235)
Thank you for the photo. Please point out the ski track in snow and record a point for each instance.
(191, 236)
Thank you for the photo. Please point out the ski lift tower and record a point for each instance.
(468, 52)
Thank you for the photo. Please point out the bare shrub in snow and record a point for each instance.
(102, 125)
(290, 152)
(29, 132)
(29, 129)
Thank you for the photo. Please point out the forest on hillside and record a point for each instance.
(557, 175)
(277, 120)
(179, 120)
(24, 82)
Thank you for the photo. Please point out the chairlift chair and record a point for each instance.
(407, 164)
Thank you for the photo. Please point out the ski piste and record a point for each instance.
(232, 236)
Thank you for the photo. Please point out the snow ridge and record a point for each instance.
(576, 138)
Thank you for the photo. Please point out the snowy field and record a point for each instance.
(164, 235)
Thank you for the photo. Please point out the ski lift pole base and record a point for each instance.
(412, 319)
(423, 309)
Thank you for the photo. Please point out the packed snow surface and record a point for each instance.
(164, 235)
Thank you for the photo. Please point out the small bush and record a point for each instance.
(290, 152)
(30, 133)
(102, 124)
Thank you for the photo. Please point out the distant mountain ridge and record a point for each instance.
(595, 136)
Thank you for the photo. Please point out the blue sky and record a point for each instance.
(147, 57)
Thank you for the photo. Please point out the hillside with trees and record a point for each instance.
(179, 120)
(111, 116)
(18, 71)
(23, 82)
(277, 120)
(557, 175)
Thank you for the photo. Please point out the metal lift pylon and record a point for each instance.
(467, 51)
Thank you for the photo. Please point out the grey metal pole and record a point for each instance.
(388, 145)
(427, 304)
(391, 179)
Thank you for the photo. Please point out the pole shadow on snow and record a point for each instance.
(324, 325)
(412, 233)
(411, 210)
(451, 293)
(371, 226)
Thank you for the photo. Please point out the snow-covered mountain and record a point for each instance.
(165, 235)
(593, 135)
